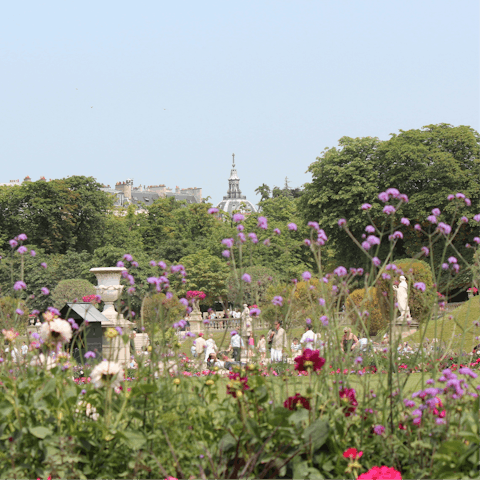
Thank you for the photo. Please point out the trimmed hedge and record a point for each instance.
(362, 301)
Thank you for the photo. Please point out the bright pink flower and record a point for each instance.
(389, 209)
(381, 473)
(352, 453)
(246, 278)
(309, 360)
(366, 206)
(292, 226)
(342, 222)
(405, 221)
(349, 398)
(306, 276)
(213, 210)
(370, 229)
(383, 197)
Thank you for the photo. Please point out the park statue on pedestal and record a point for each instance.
(402, 300)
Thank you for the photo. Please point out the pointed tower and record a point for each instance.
(234, 200)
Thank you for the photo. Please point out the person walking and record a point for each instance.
(200, 344)
(251, 345)
(236, 343)
(308, 338)
(279, 343)
(262, 348)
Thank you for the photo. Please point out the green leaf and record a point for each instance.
(227, 442)
(299, 416)
(135, 439)
(317, 433)
(40, 432)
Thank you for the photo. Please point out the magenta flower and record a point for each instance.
(253, 237)
(276, 231)
(135, 264)
(376, 261)
(120, 264)
(425, 251)
(212, 210)
(306, 276)
(153, 263)
(403, 198)
(90, 354)
(128, 257)
(370, 229)
(393, 192)
(379, 429)
(292, 226)
(262, 223)
(341, 223)
(266, 242)
(255, 312)
(324, 320)
(444, 228)
(463, 220)
(476, 240)
(373, 240)
(20, 286)
(419, 286)
(242, 237)
(162, 265)
(452, 260)
(395, 235)
(436, 212)
(417, 227)
(477, 217)
(45, 291)
(340, 271)
(315, 225)
(13, 243)
(321, 301)
(307, 242)
(386, 276)
(383, 197)
(432, 219)
(445, 266)
(226, 253)
(450, 197)
(366, 245)
(33, 253)
(277, 301)
(240, 228)
(460, 195)
(18, 311)
(22, 237)
(228, 242)
(246, 278)
(184, 302)
(21, 250)
(366, 206)
(468, 202)
(389, 209)
(238, 217)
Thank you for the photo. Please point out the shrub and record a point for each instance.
(8, 316)
(71, 290)
(420, 303)
(159, 313)
(360, 302)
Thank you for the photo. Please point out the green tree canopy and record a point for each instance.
(426, 164)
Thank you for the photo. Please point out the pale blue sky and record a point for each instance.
(176, 87)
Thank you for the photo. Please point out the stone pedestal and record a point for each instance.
(109, 289)
(401, 328)
(196, 321)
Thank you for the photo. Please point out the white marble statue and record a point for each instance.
(402, 299)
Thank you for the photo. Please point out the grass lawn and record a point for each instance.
(458, 332)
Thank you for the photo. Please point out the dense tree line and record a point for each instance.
(72, 225)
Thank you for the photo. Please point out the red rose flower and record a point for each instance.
(350, 399)
(352, 453)
(381, 473)
(309, 360)
(295, 402)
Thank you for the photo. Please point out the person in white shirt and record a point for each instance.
(24, 349)
(210, 347)
(308, 338)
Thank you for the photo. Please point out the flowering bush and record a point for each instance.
(325, 417)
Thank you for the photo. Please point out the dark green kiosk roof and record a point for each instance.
(84, 311)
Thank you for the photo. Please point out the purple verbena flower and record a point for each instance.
(292, 226)
(366, 206)
(246, 278)
(389, 209)
(238, 217)
(212, 210)
(277, 301)
(306, 276)
(419, 286)
(45, 291)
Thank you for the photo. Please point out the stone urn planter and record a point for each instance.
(109, 288)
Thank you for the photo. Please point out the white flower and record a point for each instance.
(57, 330)
(171, 367)
(90, 412)
(39, 361)
(107, 374)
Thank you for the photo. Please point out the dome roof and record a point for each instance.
(234, 200)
